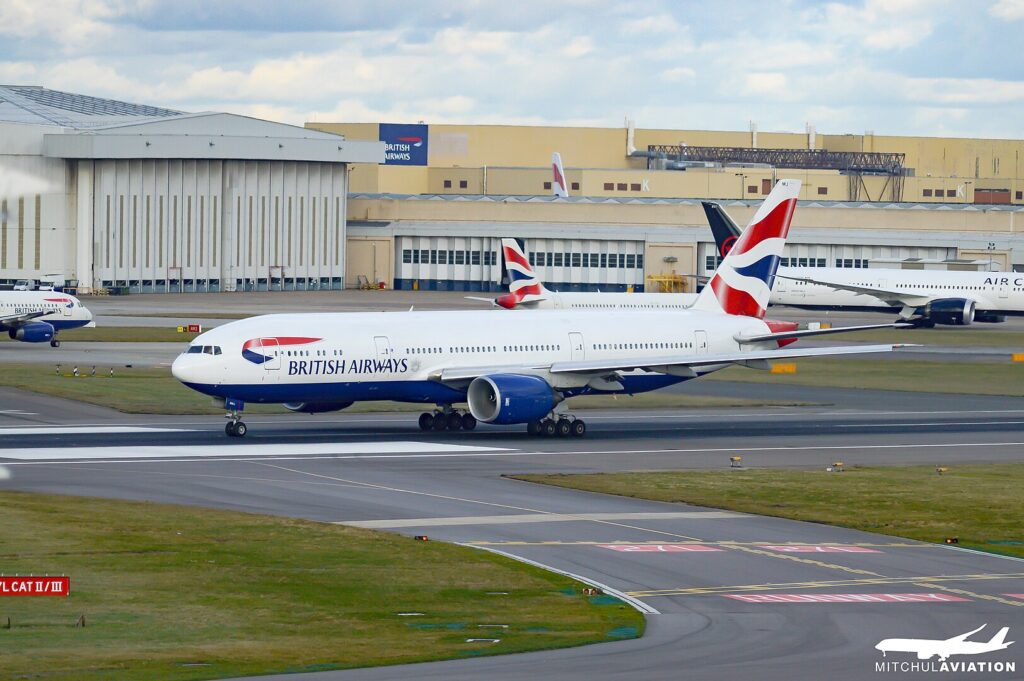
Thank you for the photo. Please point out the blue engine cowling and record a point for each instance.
(510, 398)
(316, 407)
(33, 332)
(948, 311)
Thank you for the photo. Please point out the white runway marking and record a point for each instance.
(221, 451)
(535, 518)
(86, 430)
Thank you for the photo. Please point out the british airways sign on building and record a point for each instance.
(404, 145)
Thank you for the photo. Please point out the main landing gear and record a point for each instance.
(562, 427)
(447, 419)
(54, 343)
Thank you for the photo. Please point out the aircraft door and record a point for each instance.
(700, 344)
(67, 308)
(271, 349)
(576, 346)
(1004, 291)
(383, 344)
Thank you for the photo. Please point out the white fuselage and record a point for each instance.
(612, 301)
(400, 355)
(66, 312)
(1001, 292)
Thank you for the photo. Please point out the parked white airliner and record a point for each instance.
(509, 368)
(926, 297)
(38, 316)
(527, 291)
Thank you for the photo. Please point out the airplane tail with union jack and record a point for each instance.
(742, 284)
(524, 287)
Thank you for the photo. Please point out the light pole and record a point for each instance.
(991, 249)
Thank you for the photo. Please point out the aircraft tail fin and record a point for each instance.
(725, 229)
(742, 284)
(558, 186)
(1000, 638)
(524, 286)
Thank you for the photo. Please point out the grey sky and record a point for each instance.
(924, 67)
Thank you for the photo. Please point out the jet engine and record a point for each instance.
(316, 407)
(33, 332)
(510, 398)
(947, 311)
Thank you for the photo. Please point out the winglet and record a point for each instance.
(558, 186)
(743, 282)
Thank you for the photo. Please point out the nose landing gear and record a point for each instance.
(234, 427)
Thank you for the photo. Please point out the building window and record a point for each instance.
(621, 186)
(407, 256)
(821, 262)
(433, 257)
(927, 192)
(490, 258)
(634, 187)
(822, 191)
(751, 188)
(612, 260)
(576, 257)
(460, 257)
(640, 261)
(622, 260)
(447, 184)
(951, 193)
(416, 257)
(547, 185)
(424, 256)
(609, 186)
(463, 184)
(576, 187)
(604, 260)
(558, 259)
(442, 257)
(476, 257)
(1019, 195)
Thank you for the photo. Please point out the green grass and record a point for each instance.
(979, 504)
(173, 592)
(152, 390)
(125, 334)
(969, 378)
(983, 335)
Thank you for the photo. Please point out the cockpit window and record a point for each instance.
(194, 349)
(203, 349)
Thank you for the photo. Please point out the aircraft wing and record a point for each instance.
(964, 637)
(889, 296)
(677, 365)
(16, 320)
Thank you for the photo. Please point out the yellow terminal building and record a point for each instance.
(432, 214)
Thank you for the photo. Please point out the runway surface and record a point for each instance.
(728, 595)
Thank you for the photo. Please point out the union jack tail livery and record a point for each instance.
(558, 186)
(524, 286)
(743, 282)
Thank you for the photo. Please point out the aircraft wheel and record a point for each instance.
(533, 428)
(440, 422)
(548, 428)
(55, 343)
(454, 421)
(468, 422)
(229, 428)
(241, 429)
(426, 421)
(564, 427)
(579, 428)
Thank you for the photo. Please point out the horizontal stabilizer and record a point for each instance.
(819, 332)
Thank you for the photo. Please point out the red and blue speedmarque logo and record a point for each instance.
(254, 348)
(414, 141)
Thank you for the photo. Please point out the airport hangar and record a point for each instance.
(129, 197)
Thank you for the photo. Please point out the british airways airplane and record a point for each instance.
(38, 316)
(508, 368)
(527, 291)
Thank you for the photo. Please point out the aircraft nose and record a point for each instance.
(184, 369)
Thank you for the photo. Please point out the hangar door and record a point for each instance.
(211, 225)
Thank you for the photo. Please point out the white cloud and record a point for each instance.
(679, 74)
(578, 47)
(883, 24)
(767, 84)
(1010, 10)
